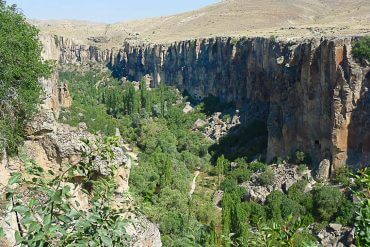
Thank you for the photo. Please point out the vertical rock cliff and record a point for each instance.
(311, 93)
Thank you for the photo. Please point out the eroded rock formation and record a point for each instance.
(311, 93)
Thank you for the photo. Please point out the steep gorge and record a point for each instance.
(311, 93)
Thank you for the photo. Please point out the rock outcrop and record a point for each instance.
(284, 177)
(311, 93)
(215, 126)
(56, 94)
(336, 235)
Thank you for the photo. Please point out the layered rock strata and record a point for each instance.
(311, 93)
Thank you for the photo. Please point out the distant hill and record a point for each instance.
(282, 18)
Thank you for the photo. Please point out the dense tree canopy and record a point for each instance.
(361, 48)
(21, 66)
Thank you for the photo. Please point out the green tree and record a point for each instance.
(167, 177)
(21, 66)
(327, 200)
(274, 203)
(212, 237)
(221, 165)
(227, 207)
(240, 224)
(361, 48)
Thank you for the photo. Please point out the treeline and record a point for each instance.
(128, 100)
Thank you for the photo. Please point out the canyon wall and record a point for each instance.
(312, 94)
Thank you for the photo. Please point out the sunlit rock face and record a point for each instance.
(311, 93)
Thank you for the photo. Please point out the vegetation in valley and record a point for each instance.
(20, 68)
(170, 152)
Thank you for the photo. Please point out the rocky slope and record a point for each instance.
(311, 93)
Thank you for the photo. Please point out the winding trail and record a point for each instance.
(193, 184)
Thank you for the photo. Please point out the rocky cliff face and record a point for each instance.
(56, 95)
(311, 93)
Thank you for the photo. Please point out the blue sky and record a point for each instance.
(108, 11)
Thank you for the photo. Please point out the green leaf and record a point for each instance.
(64, 218)
(57, 196)
(34, 226)
(106, 241)
(66, 190)
(47, 219)
(15, 178)
(27, 218)
(20, 209)
(2, 233)
(32, 202)
(18, 238)
(38, 236)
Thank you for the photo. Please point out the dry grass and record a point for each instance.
(281, 18)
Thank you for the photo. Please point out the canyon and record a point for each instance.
(295, 102)
(311, 93)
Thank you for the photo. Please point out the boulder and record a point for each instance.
(324, 170)
(199, 124)
(188, 108)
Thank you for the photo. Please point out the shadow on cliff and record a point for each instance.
(359, 129)
(243, 141)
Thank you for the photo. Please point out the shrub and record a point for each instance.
(327, 200)
(291, 207)
(361, 48)
(296, 193)
(241, 174)
(47, 213)
(342, 176)
(274, 203)
(346, 213)
(289, 233)
(226, 118)
(257, 167)
(234, 41)
(299, 157)
(362, 223)
(257, 213)
(266, 178)
(302, 168)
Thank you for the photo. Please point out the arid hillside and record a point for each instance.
(279, 18)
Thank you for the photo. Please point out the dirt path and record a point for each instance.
(193, 184)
